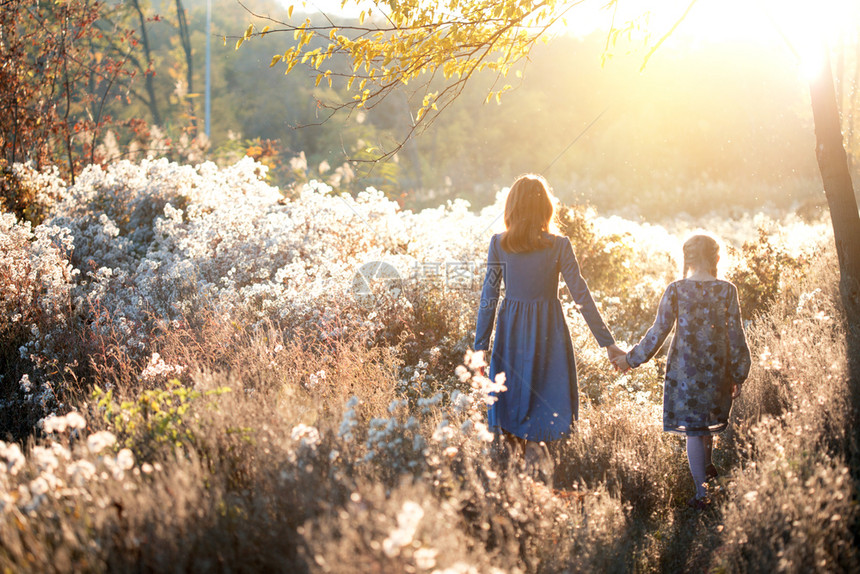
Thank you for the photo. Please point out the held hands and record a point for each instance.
(618, 358)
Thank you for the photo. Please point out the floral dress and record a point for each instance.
(708, 354)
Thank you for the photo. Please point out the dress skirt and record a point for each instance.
(533, 348)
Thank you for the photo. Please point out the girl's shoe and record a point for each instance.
(711, 472)
(699, 503)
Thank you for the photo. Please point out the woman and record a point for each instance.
(532, 345)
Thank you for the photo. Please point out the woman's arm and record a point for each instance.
(582, 296)
(739, 352)
(656, 335)
(489, 298)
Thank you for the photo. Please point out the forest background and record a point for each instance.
(707, 126)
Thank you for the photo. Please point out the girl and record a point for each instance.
(708, 358)
(532, 346)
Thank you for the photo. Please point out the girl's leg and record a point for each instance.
(696, 458)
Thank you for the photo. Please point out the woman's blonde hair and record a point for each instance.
(529, 210)
(702, 252)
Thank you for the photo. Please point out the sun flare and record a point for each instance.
(804, 28)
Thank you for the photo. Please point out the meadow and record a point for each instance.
(195, 378)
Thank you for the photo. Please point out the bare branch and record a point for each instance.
(667, 34)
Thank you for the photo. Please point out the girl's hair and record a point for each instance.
(529, 210)
(703, 252)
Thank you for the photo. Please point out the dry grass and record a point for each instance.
(235, 488)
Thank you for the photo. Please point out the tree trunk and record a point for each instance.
(836, 177)
(185, 40)
(147, 73)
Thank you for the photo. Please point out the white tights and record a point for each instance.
(698, 455)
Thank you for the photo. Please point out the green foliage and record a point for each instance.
(606, 260)
(156, 417)
(628, 289)
(764, 266)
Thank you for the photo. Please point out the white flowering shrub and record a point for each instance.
(354, 436)
(36, 279)
(36, 283)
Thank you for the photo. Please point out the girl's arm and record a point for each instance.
(489, 298)
(582, 296)
(656, 335)
(739, 352)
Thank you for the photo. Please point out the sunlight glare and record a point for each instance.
(803, 27)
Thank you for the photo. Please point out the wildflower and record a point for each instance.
(38, 486)
(475, 359)
(52, 423)
(482, 432)
(157, 369)
(306, 436)
(81, 471)
(44, 458)
(407, 523)
(316, 378)
(14, 457)
(462, 373)
(125, 459)
(425, 558)
(100, 440)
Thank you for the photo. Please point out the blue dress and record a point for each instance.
(532, 345)
(708, 354)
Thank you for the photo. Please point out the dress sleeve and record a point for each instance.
(656, 335)
(489, 297)
(582, 296)
(739, 352)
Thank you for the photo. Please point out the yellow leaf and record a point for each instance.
(239, 42)
(361, 17)
(249, 31)
(264, 30)
(275, 59)
(290, 11)
(319, 79)
(349, 82)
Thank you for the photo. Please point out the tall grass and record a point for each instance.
(296, 470)
(278, 445)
